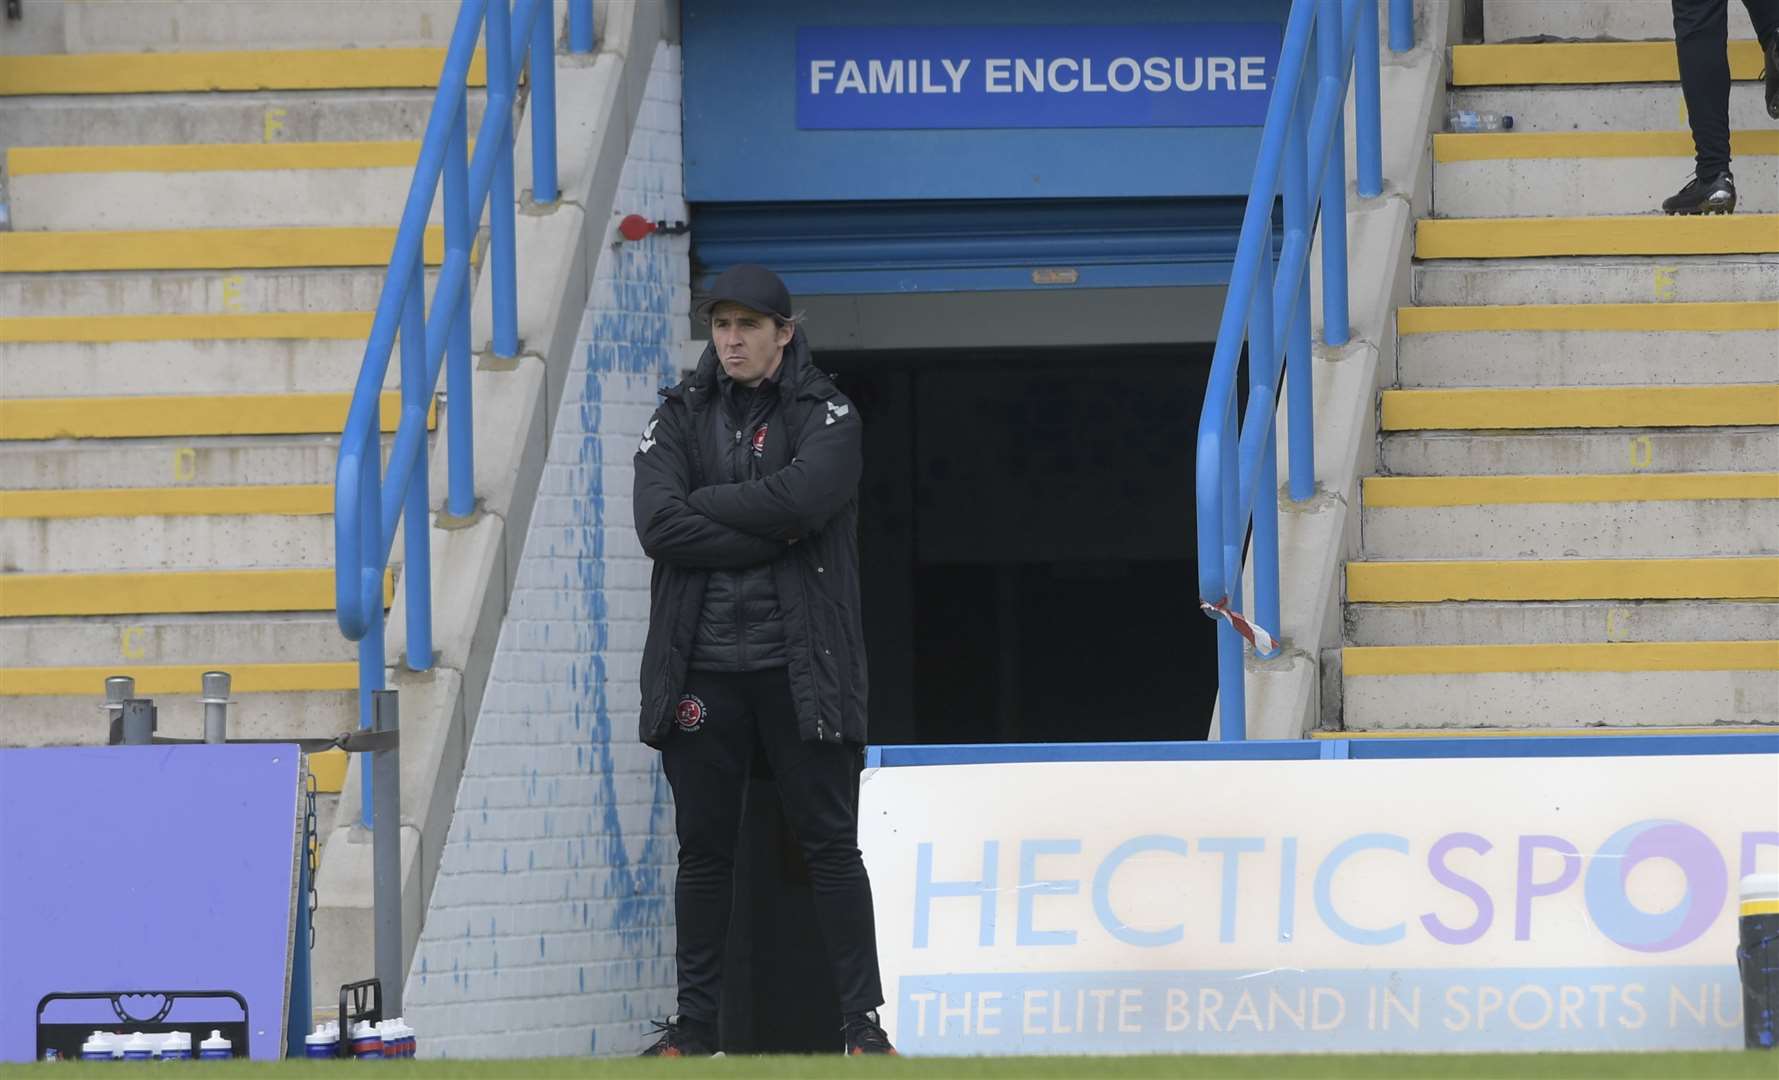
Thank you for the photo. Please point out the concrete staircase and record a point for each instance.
(202, 199)
(1576, 523)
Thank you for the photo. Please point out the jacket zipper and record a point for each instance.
(740, 576)
(811, 622)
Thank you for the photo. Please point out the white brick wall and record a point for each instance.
(550, 929)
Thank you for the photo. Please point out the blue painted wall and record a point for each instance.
(743, 144)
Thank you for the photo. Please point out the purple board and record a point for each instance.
(147, 867)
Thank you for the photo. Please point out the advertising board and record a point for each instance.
(1181, 906)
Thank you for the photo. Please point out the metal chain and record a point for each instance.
(311, 849)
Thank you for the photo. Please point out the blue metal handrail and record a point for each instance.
(369, 505)
(1238, 456)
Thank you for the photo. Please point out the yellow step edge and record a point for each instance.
(1753, 404)
(1426, 491)
(1360, 660)
(1723, 316)
(167, 679)
(1426, 582)
(196, 72)
(1643, 234)
(1571, 63)
(329, 769)
(156, 416)
(211, 157)
(207, 249)
(256, 326)
(306, 500)
(195, 592)
(1520, 733)
(1532, 145)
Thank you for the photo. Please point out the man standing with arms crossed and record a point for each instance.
(746, 499)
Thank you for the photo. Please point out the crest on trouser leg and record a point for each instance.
(690, 714)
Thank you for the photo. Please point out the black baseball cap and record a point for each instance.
(753, 287)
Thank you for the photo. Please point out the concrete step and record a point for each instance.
(1526, 409)
(77, 545)
(1620, 107)
(193, 25)
(1653, 450)
(1689, 684)
(215, 186)
(53, 369)
(184, 292)
(205, 249)
(203, 118)
(168, 415)
(1590, 20)
(1559, 174)
(228, 71)
(1590, 63)
(81, 720)
(1561, 623)
(1428, 581)
(1600, 280)
(172, 680)
(1524, 237)
(1594, 517)
(1587, 344)
(185, 500)
(192, 592)
(210, 641)
(147, 463)
(283, 525)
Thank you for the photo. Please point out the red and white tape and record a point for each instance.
(1256, 635)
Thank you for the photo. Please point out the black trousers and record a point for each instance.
(723, 719)
(1701, 43)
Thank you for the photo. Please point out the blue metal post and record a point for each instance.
(501, 199)
(543, 104)
(1263, 382)
(1368, 121)
(1299, 356)
(370, 647)
(580, 26)
(1402, 25)
(1230, 664)
(416, 500)
(459, 233)
(1334, 178)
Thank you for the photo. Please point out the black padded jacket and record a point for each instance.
(741, 627)
(799, 518)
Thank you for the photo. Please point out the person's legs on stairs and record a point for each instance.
(1764, 14)
(1701, 45)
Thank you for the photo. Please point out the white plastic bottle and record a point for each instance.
(215, 1048)
(176, 1046)
(97, 1047)
(367, 1042)
(1469, 120)
(139, 1047)
(322, 1044)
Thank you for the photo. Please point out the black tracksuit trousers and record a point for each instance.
(723, 717)
(1701, 42)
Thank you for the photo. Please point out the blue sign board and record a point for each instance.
(1058, 76)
